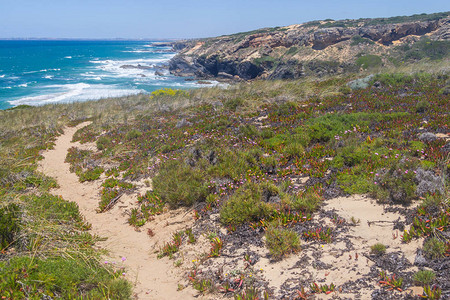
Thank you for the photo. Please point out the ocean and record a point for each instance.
(41, 72)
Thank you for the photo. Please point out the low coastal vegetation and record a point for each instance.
(260, 158)
(46, 248)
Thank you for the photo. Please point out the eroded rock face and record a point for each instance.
(328, 36)
(280, 53)
(386, 34)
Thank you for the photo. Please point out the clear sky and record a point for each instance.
(184, 19)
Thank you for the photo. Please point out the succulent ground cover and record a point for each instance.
(262, 173)
(259, 166)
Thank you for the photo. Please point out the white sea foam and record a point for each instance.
(68, 57)
(48, 76)
(23, 85)
(2, 76)
(114, 67)
(138, 51)
(43, 70)
(76, 92)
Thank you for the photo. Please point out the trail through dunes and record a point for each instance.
(135, 250)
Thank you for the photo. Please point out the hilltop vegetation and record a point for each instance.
(316, 48)
(259, 160)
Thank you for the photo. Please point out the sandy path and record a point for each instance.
(154, 278)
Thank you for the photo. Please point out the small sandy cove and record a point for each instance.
(159, 279)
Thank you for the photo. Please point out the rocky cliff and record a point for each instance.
(318, 47)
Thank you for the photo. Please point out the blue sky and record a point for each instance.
(184, 19)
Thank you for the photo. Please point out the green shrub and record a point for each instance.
(90, 174)
(422, 106)
(168, 92)
(427, 48)
(266, 133)
(133, 134)
(368, 61)
(434, 248)
(394, 79)
(275, 141)
(294, 149)
(424, 277)
(249, 131)
(234, 165)
(351, 156)
(308, 202)
(281, 242)
(357, 40)
(180, 185)
(378, 249)
(9, 224)
(395, 184)
(326, 127)
(103, 142)
(266, 61)
(245, 205)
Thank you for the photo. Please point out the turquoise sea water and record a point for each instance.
(41, 72)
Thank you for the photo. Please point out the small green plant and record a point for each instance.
(191, 236)
(378, 249)
(355, 221)
(178, 263)
(226, 287)
(431, 293)
(320, 234)
(172, 247)
(248, 294)
(200, 284)
(392, 282)
(216, 247)
(426, 225)
(434, 248)
(281, 242)
(323, 288)
(424, 277)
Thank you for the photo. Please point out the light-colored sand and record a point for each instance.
(154, 278)
(340, 265)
